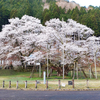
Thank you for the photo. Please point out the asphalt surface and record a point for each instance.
(49, 95)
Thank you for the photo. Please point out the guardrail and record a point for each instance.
(59, 86)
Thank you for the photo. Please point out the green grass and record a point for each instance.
(21, 77)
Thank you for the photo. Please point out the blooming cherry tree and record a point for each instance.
(19, 38)
(27, 40)
(93, 45)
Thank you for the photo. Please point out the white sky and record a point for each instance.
(87, 2)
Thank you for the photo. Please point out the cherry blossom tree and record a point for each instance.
(19, 38)
(93, 45)
(27, 40)
(68, 32)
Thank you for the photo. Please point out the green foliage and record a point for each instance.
(53, 12)
(4, 16)
(75, 14)
(48, 1)
(18, 8)
(89, 18)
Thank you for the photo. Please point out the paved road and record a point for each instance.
(49, 95)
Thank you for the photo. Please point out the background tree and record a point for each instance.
(75, 14)
(53, 12)
(4, 16)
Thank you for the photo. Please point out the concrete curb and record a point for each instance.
(53, 89)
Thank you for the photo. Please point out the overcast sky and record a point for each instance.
(87, 2)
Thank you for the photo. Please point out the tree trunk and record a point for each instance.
(63, 64)
(32, 72)
(47, 62)
(80, 72)
(77, 70)
(71, 74)
(92, 73)
(74, 71)
(84, 73)
(22, 60)
(95, 66)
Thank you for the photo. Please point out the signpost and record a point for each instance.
(70, 83)
(44, 77)
(38, 64)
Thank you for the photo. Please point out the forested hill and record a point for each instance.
(18, 8)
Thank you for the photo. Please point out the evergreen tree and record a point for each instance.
(4, 16)
(28, 10)
(75, 14)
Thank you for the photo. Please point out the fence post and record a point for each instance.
(3, 84)
(73, 83)
(36, 84)
(9, 84)
(47, 84)
(59, 84)
(25, 84)
(87, 83)
(17, 85)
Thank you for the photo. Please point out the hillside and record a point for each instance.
(55, 9)
(63, 4)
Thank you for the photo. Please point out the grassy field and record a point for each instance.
(21, 77)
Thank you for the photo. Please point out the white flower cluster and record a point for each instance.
(22, 38)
